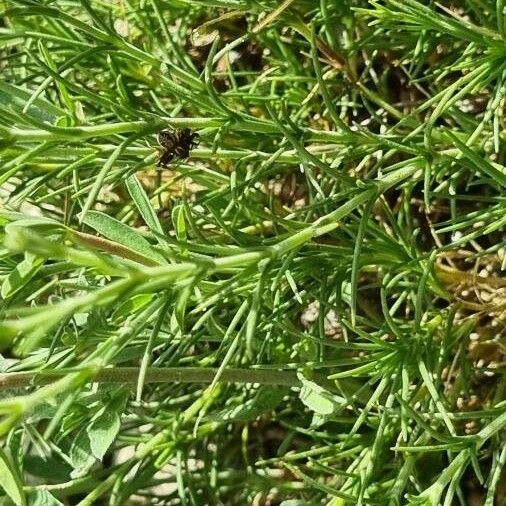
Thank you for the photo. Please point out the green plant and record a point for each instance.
(309, 310)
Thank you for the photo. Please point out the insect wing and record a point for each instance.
(195, 140)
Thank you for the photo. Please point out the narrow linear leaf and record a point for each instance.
(99, 180)
(116, 231)
(141, 201)
(355, 267)
(479, 162)
(20, 275)
(10, 482)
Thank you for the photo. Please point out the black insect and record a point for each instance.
(176, 145)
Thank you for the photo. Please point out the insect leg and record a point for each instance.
(165, 159)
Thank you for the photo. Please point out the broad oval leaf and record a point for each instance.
(81, 455)
(131, 305)
(43, 498)
(317, 399)
(102, 432)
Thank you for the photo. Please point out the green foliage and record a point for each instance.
(10, 482)
(309, 309)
